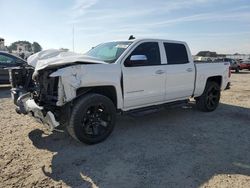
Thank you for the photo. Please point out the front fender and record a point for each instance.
(78, 76)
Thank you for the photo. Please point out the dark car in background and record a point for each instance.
(8, 60)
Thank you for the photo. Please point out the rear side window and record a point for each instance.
(151, 51)
(6, 60)
(176, 53)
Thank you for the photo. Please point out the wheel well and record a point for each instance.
(217, 79)
(108, 91)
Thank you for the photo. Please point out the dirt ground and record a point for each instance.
(177, 147)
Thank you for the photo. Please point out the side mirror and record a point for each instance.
(136, 60)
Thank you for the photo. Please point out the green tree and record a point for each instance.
(36, 47)
(13, 46)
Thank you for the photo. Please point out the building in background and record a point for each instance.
(24, 50)
(21, 48)
(2, 45)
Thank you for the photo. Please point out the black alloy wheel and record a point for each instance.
(96, 120)
(213, 97)
(210, 98)
(92, 118)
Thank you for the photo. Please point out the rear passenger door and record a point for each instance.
(180, 72)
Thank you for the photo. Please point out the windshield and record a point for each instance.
(109, 52)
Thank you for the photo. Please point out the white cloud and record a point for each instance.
(94, 24)
(182, 4)
(83, 4)
(80, 7)
(215, 17)
(116, 17)
(153, 28)
(83, 7)
(211, 16)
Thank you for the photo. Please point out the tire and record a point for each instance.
(210, 98)
(237, 70)
(92, 119)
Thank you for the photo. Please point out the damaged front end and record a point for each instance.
(36, 94)
(46, 86)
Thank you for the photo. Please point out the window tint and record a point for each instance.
(151, 51)
(176, 53)
(6, 60)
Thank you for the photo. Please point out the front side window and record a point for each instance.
(150, 50)
(109, 52)
(176, 53)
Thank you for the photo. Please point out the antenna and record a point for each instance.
(73, 38)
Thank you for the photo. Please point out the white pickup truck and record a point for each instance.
(82, 93)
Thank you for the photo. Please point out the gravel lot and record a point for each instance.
(177, 147)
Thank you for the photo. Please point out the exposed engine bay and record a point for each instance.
(42, 88)
(35, 94)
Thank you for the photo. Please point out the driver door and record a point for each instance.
(144, 76)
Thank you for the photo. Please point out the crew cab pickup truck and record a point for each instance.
(83, 93)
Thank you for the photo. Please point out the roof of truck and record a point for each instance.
(142, 39)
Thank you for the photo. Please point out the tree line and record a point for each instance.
(31, 47)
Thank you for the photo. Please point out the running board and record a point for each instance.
(156, 108)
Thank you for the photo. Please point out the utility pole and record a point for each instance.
(73, 38)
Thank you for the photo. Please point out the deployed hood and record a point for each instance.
(53, 58)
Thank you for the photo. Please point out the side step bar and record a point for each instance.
(155, 108)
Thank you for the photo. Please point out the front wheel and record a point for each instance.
(210, 98)
(92, 119)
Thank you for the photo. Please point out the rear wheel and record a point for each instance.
(92, 119)
(210, 98)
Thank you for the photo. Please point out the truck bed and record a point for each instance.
(205, 70)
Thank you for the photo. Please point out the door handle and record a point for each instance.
(159, 72)
(189, 69)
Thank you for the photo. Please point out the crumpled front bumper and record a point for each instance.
(26, 105)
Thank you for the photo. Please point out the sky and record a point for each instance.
(216, 25)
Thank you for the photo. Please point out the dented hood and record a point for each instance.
(54, 58)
